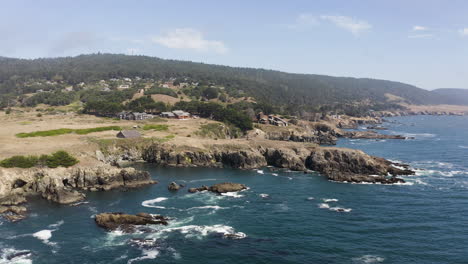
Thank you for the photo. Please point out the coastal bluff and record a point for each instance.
(338, 164)
(62, 185)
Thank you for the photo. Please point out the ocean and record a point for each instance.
(284, 216)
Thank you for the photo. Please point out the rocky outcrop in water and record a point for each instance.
(227, 187)
(127, 222)
(173, 186)
(371, 135)
(65, 185)
(335, 163)
(220, 188)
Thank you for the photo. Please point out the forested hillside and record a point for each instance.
(292, 92)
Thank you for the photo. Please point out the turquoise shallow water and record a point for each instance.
(285, 217)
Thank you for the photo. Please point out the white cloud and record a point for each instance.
(421, 36)
(188, 38)
(350, 24)
(304, 21)
(419, 28)
(463, 31)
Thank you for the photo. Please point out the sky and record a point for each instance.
(420, 42)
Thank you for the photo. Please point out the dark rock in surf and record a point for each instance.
(126, 222)
(173, 186)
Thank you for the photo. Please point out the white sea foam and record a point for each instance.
(215, 207)
(232, 194)
(44, 235)
(274, 174)
(336, 209)
(330, 200)
(416, 135)
(57, 225)
(340, 209)
(150, 203)
(7, 256)
(368, 259)
(310, 198)
(196, 231)
(264, 195)
(79, 203)
(147, 254)
(260, 172)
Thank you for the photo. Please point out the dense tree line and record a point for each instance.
(290, 92)
(217, 112)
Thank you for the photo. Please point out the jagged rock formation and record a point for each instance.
(126, 222)
(64, 185)
(335, 163)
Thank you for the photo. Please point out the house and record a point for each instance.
(167, 115)
(134, 116)
(141, 116)
(127, 79)
(123, 86)
(68, 89)
(181, 114)
(129, 134)
(277, 121)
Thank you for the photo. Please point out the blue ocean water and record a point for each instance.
(285, 217)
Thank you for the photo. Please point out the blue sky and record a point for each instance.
(421, 42)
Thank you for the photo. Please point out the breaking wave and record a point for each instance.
(150, 203)
(368, 259)
(15, 256)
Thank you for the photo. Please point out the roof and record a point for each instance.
(129, 134)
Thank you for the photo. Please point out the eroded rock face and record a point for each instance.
(127, 222)
(65, 185)
(11, 209)
(335, 163)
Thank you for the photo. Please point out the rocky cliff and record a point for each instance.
(64, 185)
(337, 164)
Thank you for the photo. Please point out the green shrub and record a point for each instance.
(85, 131)
(57, 159)
(19, 162)
(62, 131)
(155, 127)
(46, 133)
(60, 159)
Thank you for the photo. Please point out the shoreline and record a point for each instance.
(110, 166)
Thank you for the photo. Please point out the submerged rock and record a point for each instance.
(173, 186)
(200, 189)
(127, 222)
